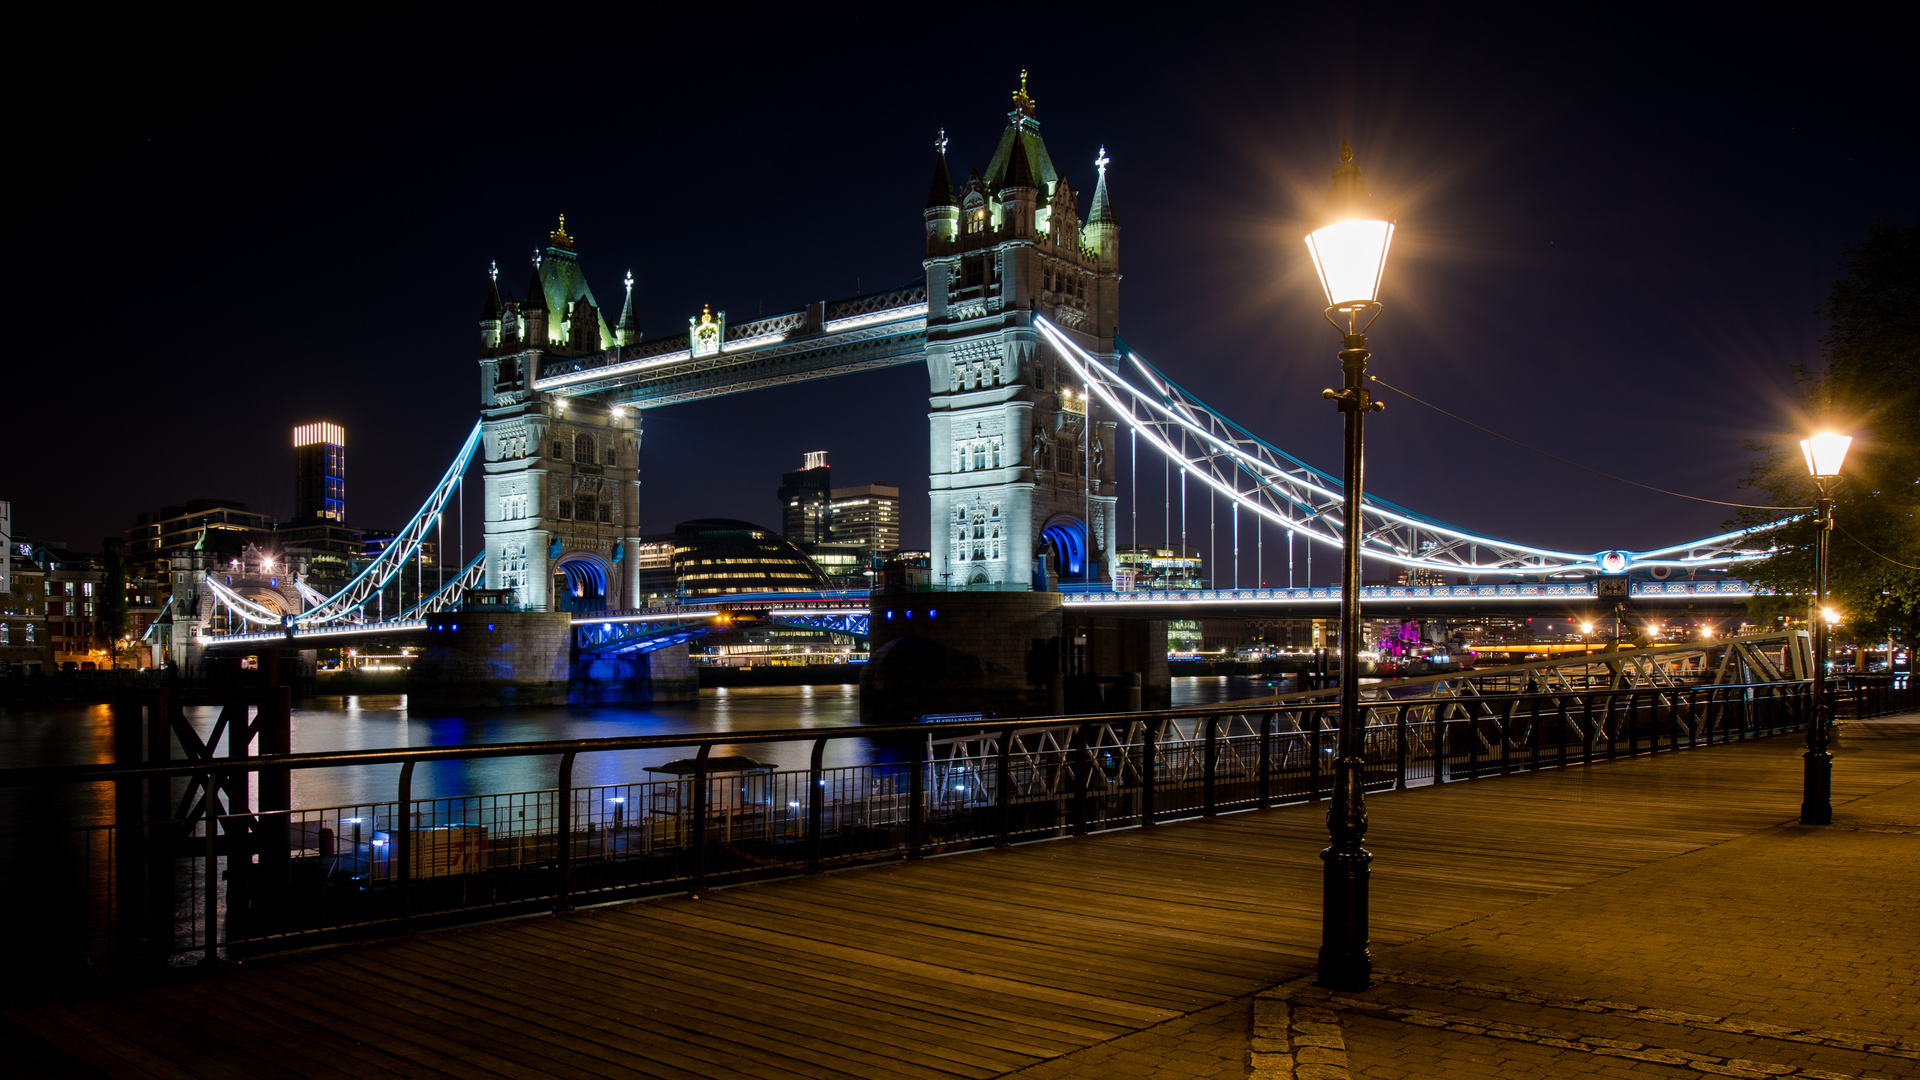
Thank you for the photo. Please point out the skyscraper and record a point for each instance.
(806, 500)
(319, 472)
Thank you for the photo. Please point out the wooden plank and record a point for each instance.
(295, 1027)
(756, 1009)
(757, 1027)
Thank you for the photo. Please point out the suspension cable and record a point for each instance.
(1870, 551)
(1577, 465)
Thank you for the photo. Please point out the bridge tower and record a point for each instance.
(1021, 464)
(562, 474)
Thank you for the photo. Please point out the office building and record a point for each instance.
(865, 517)
(320, 472)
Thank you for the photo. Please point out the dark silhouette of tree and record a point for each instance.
(1869, 388)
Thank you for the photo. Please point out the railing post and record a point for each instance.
(1693, 716)
(700, 817)
(917, 800)
(1586, 734)
(1633, 723)
(1266, 760)
(563, 813)
(1560, 713)
(1673, 720)
(1146, 772)
(210, 897)
(1506, 736)
(1400, 749)
(1533, 735)
(816, 804)
(402, 845)
(1440, 744)
(1082, 761)
(1473, 742)
(1212, 759)
(1002, 786)
(1313, 759)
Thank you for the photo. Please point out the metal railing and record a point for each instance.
(141, 885)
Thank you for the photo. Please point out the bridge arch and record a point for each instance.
(580, 582)
(1063, 551)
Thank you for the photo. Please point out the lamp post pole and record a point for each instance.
(1816, 791)
(1350, 256)
(1345, 961)
(1825, 452)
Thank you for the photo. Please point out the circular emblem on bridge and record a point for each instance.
(1613, 562)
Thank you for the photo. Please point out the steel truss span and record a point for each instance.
(1293, 495)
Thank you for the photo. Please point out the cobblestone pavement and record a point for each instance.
(1791, 952)
(1787, 952)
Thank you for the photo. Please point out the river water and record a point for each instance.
(79, 734)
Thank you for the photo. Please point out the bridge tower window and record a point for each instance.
(559, 450)
(606, 513)
(566, 509)
(612, 456)
(583, 449)
(582, 508)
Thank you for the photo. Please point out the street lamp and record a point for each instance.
(1824, 453)
(1350, 254)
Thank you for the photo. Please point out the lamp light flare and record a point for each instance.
(1824, 453)
(1833, 617)
(1351, 256)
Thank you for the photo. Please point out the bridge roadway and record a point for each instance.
(844, 610)
(1677, 891)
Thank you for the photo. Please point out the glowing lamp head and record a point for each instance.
(1350, 251)
(1824, 453)
(1833, 617)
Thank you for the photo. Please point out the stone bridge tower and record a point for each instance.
(562, 474)
(1021, 464)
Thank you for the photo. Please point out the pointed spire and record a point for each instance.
(536, 293)
(1102, 202)
(941, 194)
(492, 307)
(628, 332)
(1019, 172)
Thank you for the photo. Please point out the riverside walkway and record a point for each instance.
(1649, 917)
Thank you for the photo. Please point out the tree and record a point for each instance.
(110, 620)
(1869, 388)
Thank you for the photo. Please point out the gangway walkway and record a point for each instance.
(1677, 887)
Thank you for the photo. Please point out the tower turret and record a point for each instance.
(628, 332)
(1102, 233)
(533, 311)
(490, 310)
(943, 211)
(1018, 194)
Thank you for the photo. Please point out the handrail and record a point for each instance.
(323, 759)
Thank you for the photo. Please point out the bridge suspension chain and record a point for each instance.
(1291, 494)
(370, 582)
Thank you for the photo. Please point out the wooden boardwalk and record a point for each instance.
(972, 966)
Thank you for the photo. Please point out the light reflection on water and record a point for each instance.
(60, 735)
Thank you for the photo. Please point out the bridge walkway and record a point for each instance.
(1673, 882)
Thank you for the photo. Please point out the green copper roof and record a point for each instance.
(562, 283)
(1037, 157)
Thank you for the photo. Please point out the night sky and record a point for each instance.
(1614, 236)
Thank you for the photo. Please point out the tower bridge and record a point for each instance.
(1030, 386)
